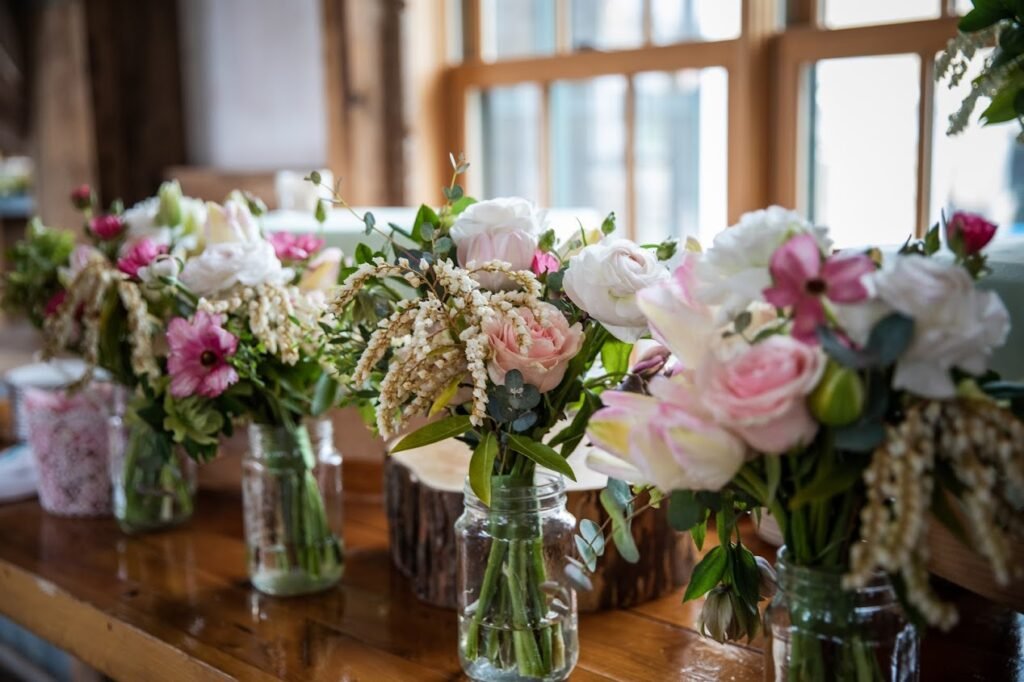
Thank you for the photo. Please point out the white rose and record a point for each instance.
(955, 323)
(497, 229)
(142, 220)
(734, 271)
(235, 253)
(604, 278)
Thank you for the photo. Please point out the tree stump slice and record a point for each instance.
(423, 500)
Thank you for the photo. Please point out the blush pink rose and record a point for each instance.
(760, 392)
(543, 363)
(497, 229)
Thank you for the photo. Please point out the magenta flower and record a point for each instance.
(294, 247)
(544, 263)
(81, 197)
(802, 277)
(54, 302)
(106, 227)
(139, 255)
(197, 361)
(973, 231)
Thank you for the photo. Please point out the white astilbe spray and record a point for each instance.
(438, 339)
(142, 325)
(981, 444)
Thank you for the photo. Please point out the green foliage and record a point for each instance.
(608, 224)
(615, 356)
(617, 503)
(708, 573)
(192, 419)
(433, 432)
(886, 343)
(984, 14)
(541, 454)
(481, 467)
(33, 275)
(684, 510)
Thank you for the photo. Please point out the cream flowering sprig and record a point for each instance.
(438, 338)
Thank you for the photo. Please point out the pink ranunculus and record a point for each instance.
(666, 439)
(295, 247)
(973, 231)
(497, 229)
(801, 277)
(544, 263)
(543, 363)
(54, 302)
(760, 392)
(197, 361)
(106, 227)
(138, 255)
(81, 197)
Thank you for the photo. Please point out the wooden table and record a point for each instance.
(177, 606)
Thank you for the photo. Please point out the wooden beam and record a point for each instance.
(335, 86)
(429, 121)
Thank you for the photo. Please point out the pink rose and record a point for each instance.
(544, 263)
(106, 227)
(138, 255)
(81, 197)
(973, 231)
(543, 363)
(760, 392)
(497, 229)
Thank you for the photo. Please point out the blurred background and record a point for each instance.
(679, 115)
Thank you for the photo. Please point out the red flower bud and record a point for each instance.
(106, 227)
(971, 231)
(81, 197)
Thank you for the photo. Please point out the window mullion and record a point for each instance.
(925, 123)
(629, 114)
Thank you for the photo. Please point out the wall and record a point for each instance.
(253, 83)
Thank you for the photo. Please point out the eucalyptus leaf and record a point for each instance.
(860, 437)
(586, 552)
(592, 533)
(578, 578)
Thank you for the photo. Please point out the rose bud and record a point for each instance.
(969, 231)
(838, 400)
(106, 227)
(81, 197)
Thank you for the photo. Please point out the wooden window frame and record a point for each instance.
(766, 68)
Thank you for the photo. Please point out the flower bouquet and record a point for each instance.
(474, 317)
(849, 394)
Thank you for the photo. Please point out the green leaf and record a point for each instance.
(363, 254)
(547, 241)
(889, 338)
(618, 511)
(461, 205)
(622, 536)
(443, 245)
(541, 454)
(831, 481)
(840, 352)
(699, 533)
(314, 177)
(742, 321)
(449, 427)
(321, 212)
(576, 575)
(684, 511)
(608, 224)
(773, 475)
(369, 221)
(745, 575)
(586, 552)
(666, 249)
(615, 356)
(932, 243)
(1001, 108)
(864, 436)
(481, 467)
(592, 533)
(708, 573)
(325, 394)
(424, 216)
(983, 15)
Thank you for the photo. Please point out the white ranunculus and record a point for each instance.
(505, 229)
(734, 271)
(604, 278)
(955, 323)
(235, 253)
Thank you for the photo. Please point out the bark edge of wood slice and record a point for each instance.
(423, 500)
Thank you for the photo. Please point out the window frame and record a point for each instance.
(767, 67)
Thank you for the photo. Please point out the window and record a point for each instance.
(680, 115)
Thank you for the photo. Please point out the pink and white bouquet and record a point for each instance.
(848, 393)
(475, 317)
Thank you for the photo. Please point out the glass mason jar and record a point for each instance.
(517, 610)
(153, 480)
(818, 632)
(292, 502)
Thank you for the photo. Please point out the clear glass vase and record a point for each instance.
(517, 610)
(819, 632)
(292, 499)
(153, 480)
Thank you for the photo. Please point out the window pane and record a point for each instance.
(588, 142)
(511, 140)
(607, 24)
(519, 28)
(964, 6)
(842, 13)
(864, 151)
(979, 170)
(675, 21)
(681, 128)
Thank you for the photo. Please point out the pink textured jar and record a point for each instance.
(67, 432)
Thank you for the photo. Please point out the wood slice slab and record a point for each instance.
(423, 499)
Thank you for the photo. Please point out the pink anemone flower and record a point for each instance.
(199, 350)
(802, 277)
